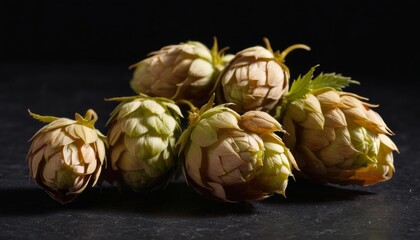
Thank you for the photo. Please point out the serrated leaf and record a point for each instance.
(332, 80)
(301, 86)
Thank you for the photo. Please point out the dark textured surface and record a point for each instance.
(388, 210)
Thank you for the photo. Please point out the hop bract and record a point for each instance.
(255, 79)
(142, 135)
(66, 156)
(182, 71)
(336, 137)
(233, 158)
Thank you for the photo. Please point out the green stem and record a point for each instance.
(217, 54)
(91, 116)
(193, 113)
(267, 44)
(89, 120)
(284, 53)
(188, 103)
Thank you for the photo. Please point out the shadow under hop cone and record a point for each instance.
(66, 156)
(233, 158)
(335, 136)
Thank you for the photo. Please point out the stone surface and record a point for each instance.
(388, 210)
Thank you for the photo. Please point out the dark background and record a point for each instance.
(62, 57)
(350, 37)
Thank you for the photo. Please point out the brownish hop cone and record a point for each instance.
(67, 156)
(182, 71)
(335, 136)
(256, 78)
(231, 158)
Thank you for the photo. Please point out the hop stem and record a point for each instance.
(281, 56)
(192, 113)
(91, 116)
(216, 54)
(267, 44)
(89, 120)
(284, 53)
(188, 103)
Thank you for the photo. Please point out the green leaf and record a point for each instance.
(301, 86)
(332, 80)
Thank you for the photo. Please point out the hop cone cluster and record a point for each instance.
(335, 136)
(232, 158)
(142, 134)
(230, 152)
(66, 156)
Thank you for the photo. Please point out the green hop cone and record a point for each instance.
(142, 135)
(335, 136)
(182, 71)
(255, 79)
(228, 157)
(67, 156)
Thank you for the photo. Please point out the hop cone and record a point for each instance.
(335, 136)
(142, 135)
(255, 79)
(66, 156)
(228, 157)
(183, 71)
